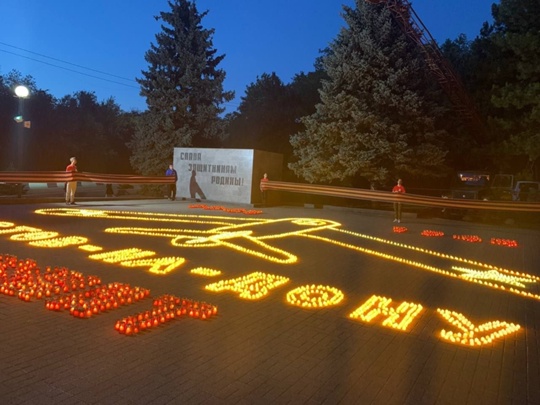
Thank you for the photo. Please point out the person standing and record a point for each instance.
(172, 187)
(71, 186)
(398, 188)
(263, 188)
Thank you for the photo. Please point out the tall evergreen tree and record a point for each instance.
(264, 119)
(183, 88)
(270, 110)
(516, 89)
(377, 115)
(305, 91)
(473, 63)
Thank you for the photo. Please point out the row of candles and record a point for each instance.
(504, 242)
(225, 209)
(98, 299)
(466, 238)
(165, 309)
(205, 271)
(431, 234)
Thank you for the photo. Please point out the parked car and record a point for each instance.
(502, 188)
(17, 189)
(526, 191)
(506, 188)
(468, 185)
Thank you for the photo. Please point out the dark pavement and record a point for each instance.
(272, 349)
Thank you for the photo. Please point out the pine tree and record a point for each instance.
(265, 116)
(183, 88)
(516, 91)
(377, 116)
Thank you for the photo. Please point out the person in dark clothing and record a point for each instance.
(172, 187)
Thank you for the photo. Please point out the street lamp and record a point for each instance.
(21, 92)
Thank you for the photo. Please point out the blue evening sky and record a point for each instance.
(99, 45)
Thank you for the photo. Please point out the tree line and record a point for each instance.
(369, 112)
(74, 125)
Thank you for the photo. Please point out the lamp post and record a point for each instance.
(21, 92)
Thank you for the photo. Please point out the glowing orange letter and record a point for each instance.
(315, 296)
(396, 318)
(472, 335)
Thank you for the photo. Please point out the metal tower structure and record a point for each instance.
(449, 80)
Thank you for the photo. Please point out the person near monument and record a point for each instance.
(172, 187)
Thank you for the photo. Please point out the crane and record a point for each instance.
(449, 80)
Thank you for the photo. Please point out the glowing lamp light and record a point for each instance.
(22, 91)
(399, 229)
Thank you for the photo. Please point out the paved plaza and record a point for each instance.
(314, 306)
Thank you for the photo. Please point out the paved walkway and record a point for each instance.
(327, 334)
